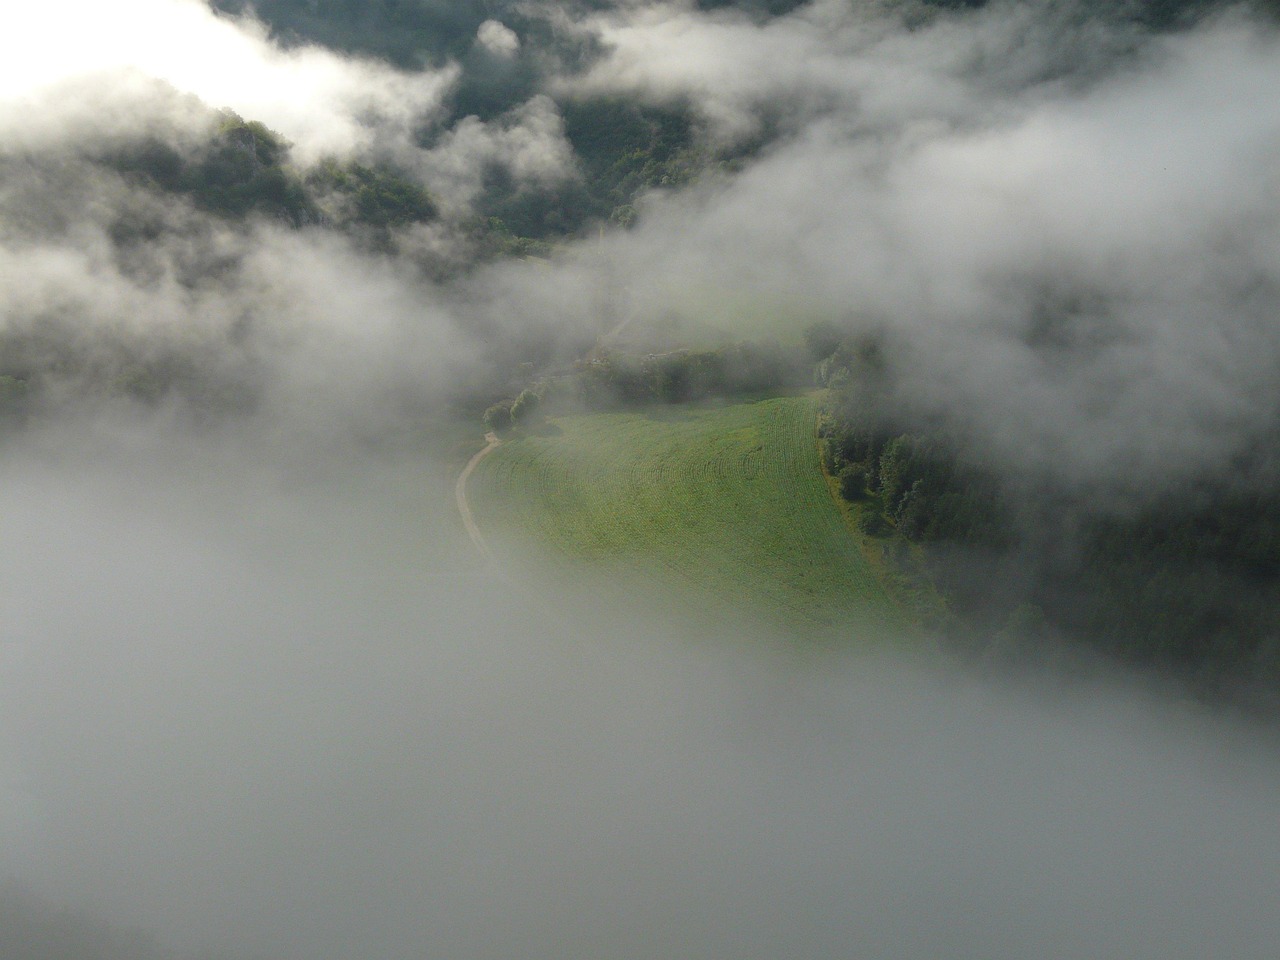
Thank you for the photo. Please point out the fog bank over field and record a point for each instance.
(266, 702)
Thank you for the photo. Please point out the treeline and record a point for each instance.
(609, 380)
(406, 33)
(915, 483)
(1159, 14)
(241, 172)
(1186, 581)
(1192, 578)
(243, 169)
(624, 149)
(681, 376)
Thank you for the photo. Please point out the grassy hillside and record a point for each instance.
(727, 501)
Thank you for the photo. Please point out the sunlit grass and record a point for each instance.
(727, 502)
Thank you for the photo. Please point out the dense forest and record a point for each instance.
(1183, 579)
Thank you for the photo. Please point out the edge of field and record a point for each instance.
(728, 500)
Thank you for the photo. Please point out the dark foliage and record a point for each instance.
(375, 201)
(1156, 13)
(498, 417)
(685, 375)
(405, 32)
(241, 170)
(771, 8)
(1187, 582)
(626, 148)
(493, 238)
(524, 409)
(412, 32)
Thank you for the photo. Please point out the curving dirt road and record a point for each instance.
(460, 494)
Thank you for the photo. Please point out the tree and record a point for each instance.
(524, 407)
(853, 482)
(498, 417)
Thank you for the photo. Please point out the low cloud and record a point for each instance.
(1073, 257)
(855, 63)
(160, 68)
(323, 102)
(1080, 272)
(497, 38)
(305, 323)
(526, 143)
(287, 715)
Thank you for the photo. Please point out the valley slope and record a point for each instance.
(728, 500)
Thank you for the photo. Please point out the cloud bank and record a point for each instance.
(323, 102)
(259, 700)
(1079, 266)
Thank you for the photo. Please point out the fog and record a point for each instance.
(261, 698)
(267, 703)
(1076, 268)
(324, 102)
(1065, 230)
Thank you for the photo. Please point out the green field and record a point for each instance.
(726, 501)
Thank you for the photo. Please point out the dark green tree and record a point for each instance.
(498, 417)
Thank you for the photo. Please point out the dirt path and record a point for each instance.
(533, 601)
(460, 494)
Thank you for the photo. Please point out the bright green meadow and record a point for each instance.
(726, 501)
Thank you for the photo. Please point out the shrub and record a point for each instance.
(524, 407)
(853, 482)
(872, 522)
(498, 417)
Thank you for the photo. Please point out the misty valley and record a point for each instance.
(640, 478)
